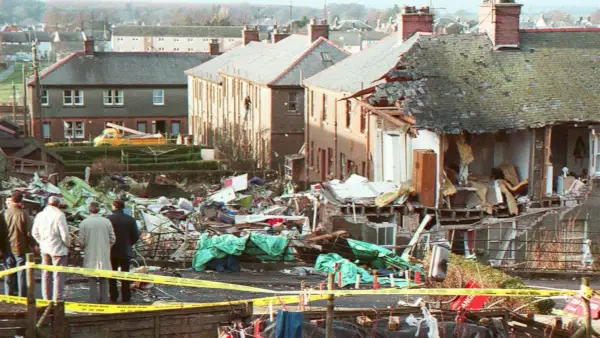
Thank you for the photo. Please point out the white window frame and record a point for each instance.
(156, 95)
(295, 102)
(110, 97)
(75, 125)
(44, 98)
(73, 96)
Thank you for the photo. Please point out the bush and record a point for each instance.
(165, 166)
(92, 153)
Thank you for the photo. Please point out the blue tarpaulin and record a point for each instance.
(289, 324)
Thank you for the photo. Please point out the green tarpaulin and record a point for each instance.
(264, 247)
(378, 257)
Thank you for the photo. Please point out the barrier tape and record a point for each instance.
(10, 271)
(157, 279)
(117, 308)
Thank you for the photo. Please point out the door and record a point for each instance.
(394, 156)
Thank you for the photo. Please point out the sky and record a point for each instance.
(451, 5)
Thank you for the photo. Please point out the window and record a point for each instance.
(348, 113)
(190, 39)
(312, 103)
(326, 57)
(176, 49)
(330, 156)
(312, 153)
(135, 39)
(319, 160)
(158, 97)
(343, 166)
(231, 40)
(46, 131)
(141, 126)
(175, 39)
(161, 39)
(113, 97)
(74, 129)
(161, 48)
(44, 97)
(190, 49)
(324, 111)
(363, 120)
(119, 39)
(293, 102)
(174, 127)
(73, 97)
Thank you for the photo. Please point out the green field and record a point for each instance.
(15, 77)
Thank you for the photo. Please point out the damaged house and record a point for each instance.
(490, 122)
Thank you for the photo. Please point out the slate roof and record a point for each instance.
(355, 38)
(272, 63)
(209, 70)
(68, 36)
(348, 25)
(282, 63)
(179, 31)
(40, 36)
(364, 67)
(15, 37)
(122, 68)
(463, 84)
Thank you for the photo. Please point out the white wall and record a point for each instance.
(520, 147)
(171, 44)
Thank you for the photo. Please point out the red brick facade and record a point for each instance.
(412, 21)
(501, 22)
(94, 126)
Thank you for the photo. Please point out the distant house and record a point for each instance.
(143, 91)
(252, 95)
(350, 25)
(355, 41)
(183, 39)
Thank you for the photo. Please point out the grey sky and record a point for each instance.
(451, 5)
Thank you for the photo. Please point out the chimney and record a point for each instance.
(88, 46)
(412, 21)
(250, 35)
(318, 30)
(279, 35)
(500, 20)
(213, 47)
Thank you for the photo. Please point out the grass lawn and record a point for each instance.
(16, 77)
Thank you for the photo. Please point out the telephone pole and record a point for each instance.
(36, 99)
(25, 107)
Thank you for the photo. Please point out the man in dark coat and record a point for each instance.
(127, 234)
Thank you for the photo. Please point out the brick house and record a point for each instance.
(340, 135)
(253, 94)
(527, 98)
(87, 89)
(185, 39)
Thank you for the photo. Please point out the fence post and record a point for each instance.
(59, 324)
(31, 306)
(330, 307)
(585, 283)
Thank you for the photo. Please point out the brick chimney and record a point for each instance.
(413, 20)
(278, 35)
(500, 20)
(318, 30)
(213, 47)
(88, 46)
(250, 35)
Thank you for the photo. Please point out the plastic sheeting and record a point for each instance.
(379, 257)
(264, 247)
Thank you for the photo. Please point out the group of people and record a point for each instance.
(106, 242)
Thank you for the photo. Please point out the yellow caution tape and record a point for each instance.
(11, 271)
(157, 279)
(586, 292)
(118, 308)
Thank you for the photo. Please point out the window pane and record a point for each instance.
(67, 97)
(141, 126)
(46, 132)
(118, 97)
(174, 128)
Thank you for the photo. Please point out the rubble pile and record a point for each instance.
(240, 219)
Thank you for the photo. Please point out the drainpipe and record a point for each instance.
(335, 140)
(368, 122)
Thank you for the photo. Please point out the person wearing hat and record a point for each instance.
(127, 234)
(96, 237)
(51, 231)
(19, 242)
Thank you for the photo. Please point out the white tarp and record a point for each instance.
(238, 183)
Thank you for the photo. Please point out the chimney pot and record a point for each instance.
(501, 22)
(316, 31)
(412, 21)
(213, 47)
(250, 35)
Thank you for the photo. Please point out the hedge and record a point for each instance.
(91, 153)
(188, 165)
(139, 160)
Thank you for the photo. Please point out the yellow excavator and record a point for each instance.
(113, 135)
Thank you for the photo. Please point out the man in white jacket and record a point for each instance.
(51, 231)
(96, 236)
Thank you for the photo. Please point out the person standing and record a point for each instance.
(19, 242)
(127, 234)
(51, 231)
(96, 236)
